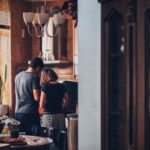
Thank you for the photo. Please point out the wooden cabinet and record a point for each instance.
(58, 52)
(125, 75)
(118, 76)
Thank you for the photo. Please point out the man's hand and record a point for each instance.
(41, 111)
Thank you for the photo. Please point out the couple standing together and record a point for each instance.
(38, 91)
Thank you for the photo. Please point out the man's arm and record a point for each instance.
(42, 102)
(36, 89)
(42, 99)
(36, 95)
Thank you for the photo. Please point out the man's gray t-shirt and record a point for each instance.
(25, 82)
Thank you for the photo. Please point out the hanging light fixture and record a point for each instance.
(40, 19)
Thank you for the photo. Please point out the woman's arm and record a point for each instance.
(65, 100)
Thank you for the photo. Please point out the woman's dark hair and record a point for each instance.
(47, 75)
(53, 75)
(36, 62)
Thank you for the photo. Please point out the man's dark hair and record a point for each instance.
(36, 62)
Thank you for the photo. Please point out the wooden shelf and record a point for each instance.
(58, 63)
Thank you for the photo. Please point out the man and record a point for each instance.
(27, 91)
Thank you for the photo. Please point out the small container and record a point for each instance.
(14, 134)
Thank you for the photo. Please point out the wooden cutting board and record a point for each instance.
(13, 141)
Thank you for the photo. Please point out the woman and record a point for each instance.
(53, 100)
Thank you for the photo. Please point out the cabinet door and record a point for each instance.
(118, 76)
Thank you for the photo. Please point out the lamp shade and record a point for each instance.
(35, 20)
(58, 19)
(28, 17)
(42, 18)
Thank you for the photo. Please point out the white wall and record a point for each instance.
(89, 75)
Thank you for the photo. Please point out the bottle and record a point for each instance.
(5, 130)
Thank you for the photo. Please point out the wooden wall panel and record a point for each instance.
(21, 48)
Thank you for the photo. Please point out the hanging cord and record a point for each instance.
(45, 5)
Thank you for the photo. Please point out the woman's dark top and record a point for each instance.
(54, 97)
